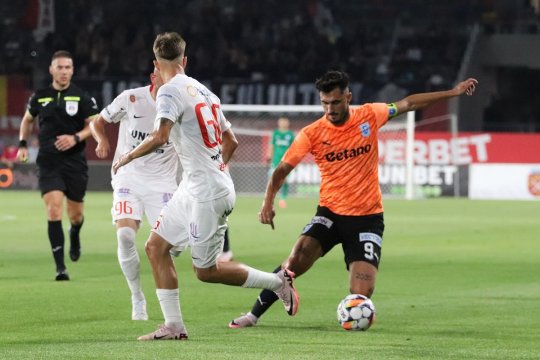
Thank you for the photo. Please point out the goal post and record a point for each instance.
(409, 155)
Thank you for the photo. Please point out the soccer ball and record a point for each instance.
(356, 312)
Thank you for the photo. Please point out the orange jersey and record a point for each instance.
(347, 157)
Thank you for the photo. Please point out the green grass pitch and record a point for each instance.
(459, 279)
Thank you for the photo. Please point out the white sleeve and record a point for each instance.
(117, 110)
(223, 122)
(168, 104)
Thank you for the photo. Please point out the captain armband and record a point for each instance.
(392, 110)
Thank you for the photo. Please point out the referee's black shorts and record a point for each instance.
(359, 236)
(68, 174)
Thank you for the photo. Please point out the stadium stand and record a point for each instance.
(391, 48)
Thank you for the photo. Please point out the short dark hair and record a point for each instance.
(61, 54)
(332, 79)
(169, 46)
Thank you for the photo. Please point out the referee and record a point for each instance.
(64, 111)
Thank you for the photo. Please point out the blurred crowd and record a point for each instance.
(272, 40)
(381, 43)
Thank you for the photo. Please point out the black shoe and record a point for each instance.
(74, 253)
(75, 247)
(62, 275)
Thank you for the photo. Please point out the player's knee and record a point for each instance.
(206, 274)
(150, 248)
(54, 212)
(76, 218)
(156, 248)
(126, 237)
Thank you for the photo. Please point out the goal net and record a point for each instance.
(415, 157)
(253, 126)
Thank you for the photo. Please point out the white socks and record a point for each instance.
(262, 280)
(129, 261)
(169, 300)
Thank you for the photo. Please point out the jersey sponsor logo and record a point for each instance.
(72, 107)
(138, 117)
(347, 153)
(371, 237)
(124, 191)
(322, 220)
(139, 135)
(365, 130)
(217, 156)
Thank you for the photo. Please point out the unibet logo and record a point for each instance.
(347, 153)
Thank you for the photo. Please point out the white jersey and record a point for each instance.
(196, 135)
(135, 109)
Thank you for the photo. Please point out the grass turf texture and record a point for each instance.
(458, 279)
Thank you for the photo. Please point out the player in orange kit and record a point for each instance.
(344, 145)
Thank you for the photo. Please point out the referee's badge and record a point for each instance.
(72, 107)
(365, 129)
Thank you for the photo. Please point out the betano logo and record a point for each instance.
(347, 153)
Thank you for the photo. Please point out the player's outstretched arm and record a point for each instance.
(152, 142)
(267, 213)
(97, 127)
(422, 100)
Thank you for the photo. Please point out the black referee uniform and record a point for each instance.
(62, 112)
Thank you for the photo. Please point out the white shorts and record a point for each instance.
(201, 225)
(134, 197)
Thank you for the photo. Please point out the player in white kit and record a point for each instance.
(141, 188)
(190, 116)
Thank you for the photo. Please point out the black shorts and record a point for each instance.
(66, 174)
(359, 236)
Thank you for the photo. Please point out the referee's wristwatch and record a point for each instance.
(77, 138)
